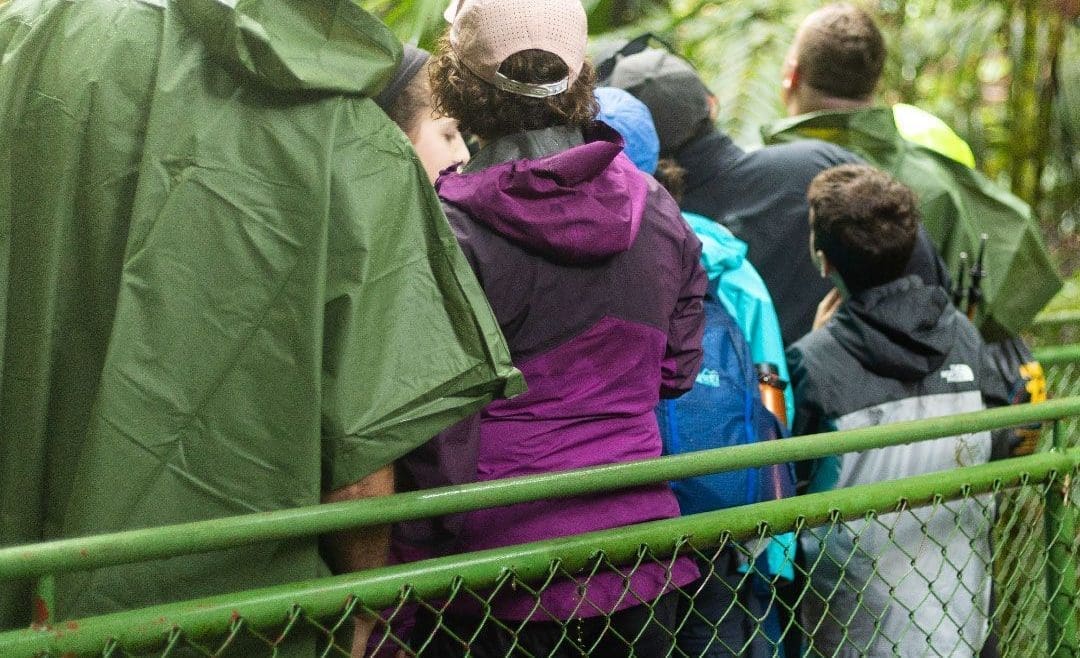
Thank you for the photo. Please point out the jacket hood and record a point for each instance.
(902, 330)
(632, 120)
(873, 125)
(309, 45)
(721, 251)
(577, 205)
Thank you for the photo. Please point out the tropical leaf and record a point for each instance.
(420, 21)
(413, 21)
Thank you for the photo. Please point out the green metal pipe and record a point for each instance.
(1055, 355)
(43, 603)
(1056, 318)
(1063, 627)
(268, 608)
(85, 553)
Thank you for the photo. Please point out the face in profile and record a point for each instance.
(438, 143)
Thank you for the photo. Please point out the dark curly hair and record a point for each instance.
(490, 113)
(865, 222)
(672, 177)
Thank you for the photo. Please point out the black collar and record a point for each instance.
(707, 157)
(529, 145)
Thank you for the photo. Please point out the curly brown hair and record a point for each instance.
(865, 221)
(672, 177)
(490, 113)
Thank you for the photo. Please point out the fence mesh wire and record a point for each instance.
(885, 584)
(949, 578)
(1063, 380)
(1021, 563)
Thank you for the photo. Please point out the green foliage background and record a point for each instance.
(1004, 73)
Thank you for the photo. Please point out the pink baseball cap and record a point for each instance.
(483, 33)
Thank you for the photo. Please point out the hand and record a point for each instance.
(827, 308)
(362, 631)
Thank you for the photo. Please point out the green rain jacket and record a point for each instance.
(226, 285)
(958, 204)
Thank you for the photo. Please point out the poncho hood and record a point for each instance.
(721, 251)
(316, 45)
(578, 205)
(902, 330)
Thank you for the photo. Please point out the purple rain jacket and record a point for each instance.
(596, 281)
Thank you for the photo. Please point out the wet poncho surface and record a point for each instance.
(226, 285)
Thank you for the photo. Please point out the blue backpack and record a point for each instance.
(723, 409)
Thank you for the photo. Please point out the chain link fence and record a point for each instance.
(1063, 380)
(1021, 528)
(976, 561)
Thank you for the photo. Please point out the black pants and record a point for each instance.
(722, 619)
(643, 631)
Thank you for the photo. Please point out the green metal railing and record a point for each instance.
(152, 543)
(1058, 356)
(1061, 364)
(1035, 550)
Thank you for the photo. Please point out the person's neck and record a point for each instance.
(530, 144)
(813, 100)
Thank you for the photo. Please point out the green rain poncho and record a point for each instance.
(958, 204)
(225, 283)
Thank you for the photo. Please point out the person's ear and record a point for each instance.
(714, 108)
(789, 81)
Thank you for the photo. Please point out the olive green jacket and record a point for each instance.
(958, 205)
(226, 285)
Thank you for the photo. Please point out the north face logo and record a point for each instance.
(958, 373)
